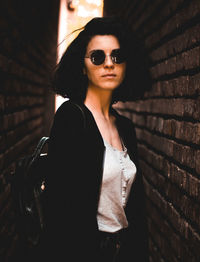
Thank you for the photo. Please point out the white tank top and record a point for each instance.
(118, 175)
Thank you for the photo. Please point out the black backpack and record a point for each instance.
(28, 194)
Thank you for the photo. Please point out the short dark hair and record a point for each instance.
(69, 80)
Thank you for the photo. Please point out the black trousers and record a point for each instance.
(110, 246)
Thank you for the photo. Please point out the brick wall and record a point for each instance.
(28, 39)
(167, 123)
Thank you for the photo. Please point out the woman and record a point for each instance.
(95, 193)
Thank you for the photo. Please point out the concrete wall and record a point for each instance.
(167, 122)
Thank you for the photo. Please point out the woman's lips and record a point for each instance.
(109, 75)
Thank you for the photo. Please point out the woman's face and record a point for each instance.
(108, 75)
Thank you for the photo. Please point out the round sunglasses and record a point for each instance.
(98, 56)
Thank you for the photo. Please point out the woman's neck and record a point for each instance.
(98, 102)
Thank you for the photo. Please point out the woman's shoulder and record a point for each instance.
(70, 111)
(125, 125)
(124, 120)
(66, 106)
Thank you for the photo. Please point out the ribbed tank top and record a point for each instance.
(118, 175)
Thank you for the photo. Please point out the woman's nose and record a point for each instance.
(108, 61)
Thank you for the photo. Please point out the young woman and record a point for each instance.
(96, 208)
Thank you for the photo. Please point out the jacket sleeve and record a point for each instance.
(66, 157)
(66, 183)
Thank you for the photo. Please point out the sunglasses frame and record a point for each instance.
(113, 58)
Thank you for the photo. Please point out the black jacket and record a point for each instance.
(76, 154)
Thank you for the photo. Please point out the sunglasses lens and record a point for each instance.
(118, 56)
(97, 57)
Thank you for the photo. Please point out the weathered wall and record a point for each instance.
(28, 39)
(167, 123)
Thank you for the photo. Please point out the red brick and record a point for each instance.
(181, 86)
(1, 161)
(185, 61)
(184, 154)
(197, 161)
(2, 103)
(174, 22)
(178, 44)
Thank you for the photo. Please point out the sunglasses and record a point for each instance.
(98, 56)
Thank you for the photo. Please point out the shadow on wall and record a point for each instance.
(141, 62)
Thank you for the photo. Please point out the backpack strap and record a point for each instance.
(39, 146)
(38, 150)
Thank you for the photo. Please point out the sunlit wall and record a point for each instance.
(74, 14)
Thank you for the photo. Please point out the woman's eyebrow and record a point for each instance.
(92, 50)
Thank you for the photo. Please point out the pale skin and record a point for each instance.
(101, 86)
